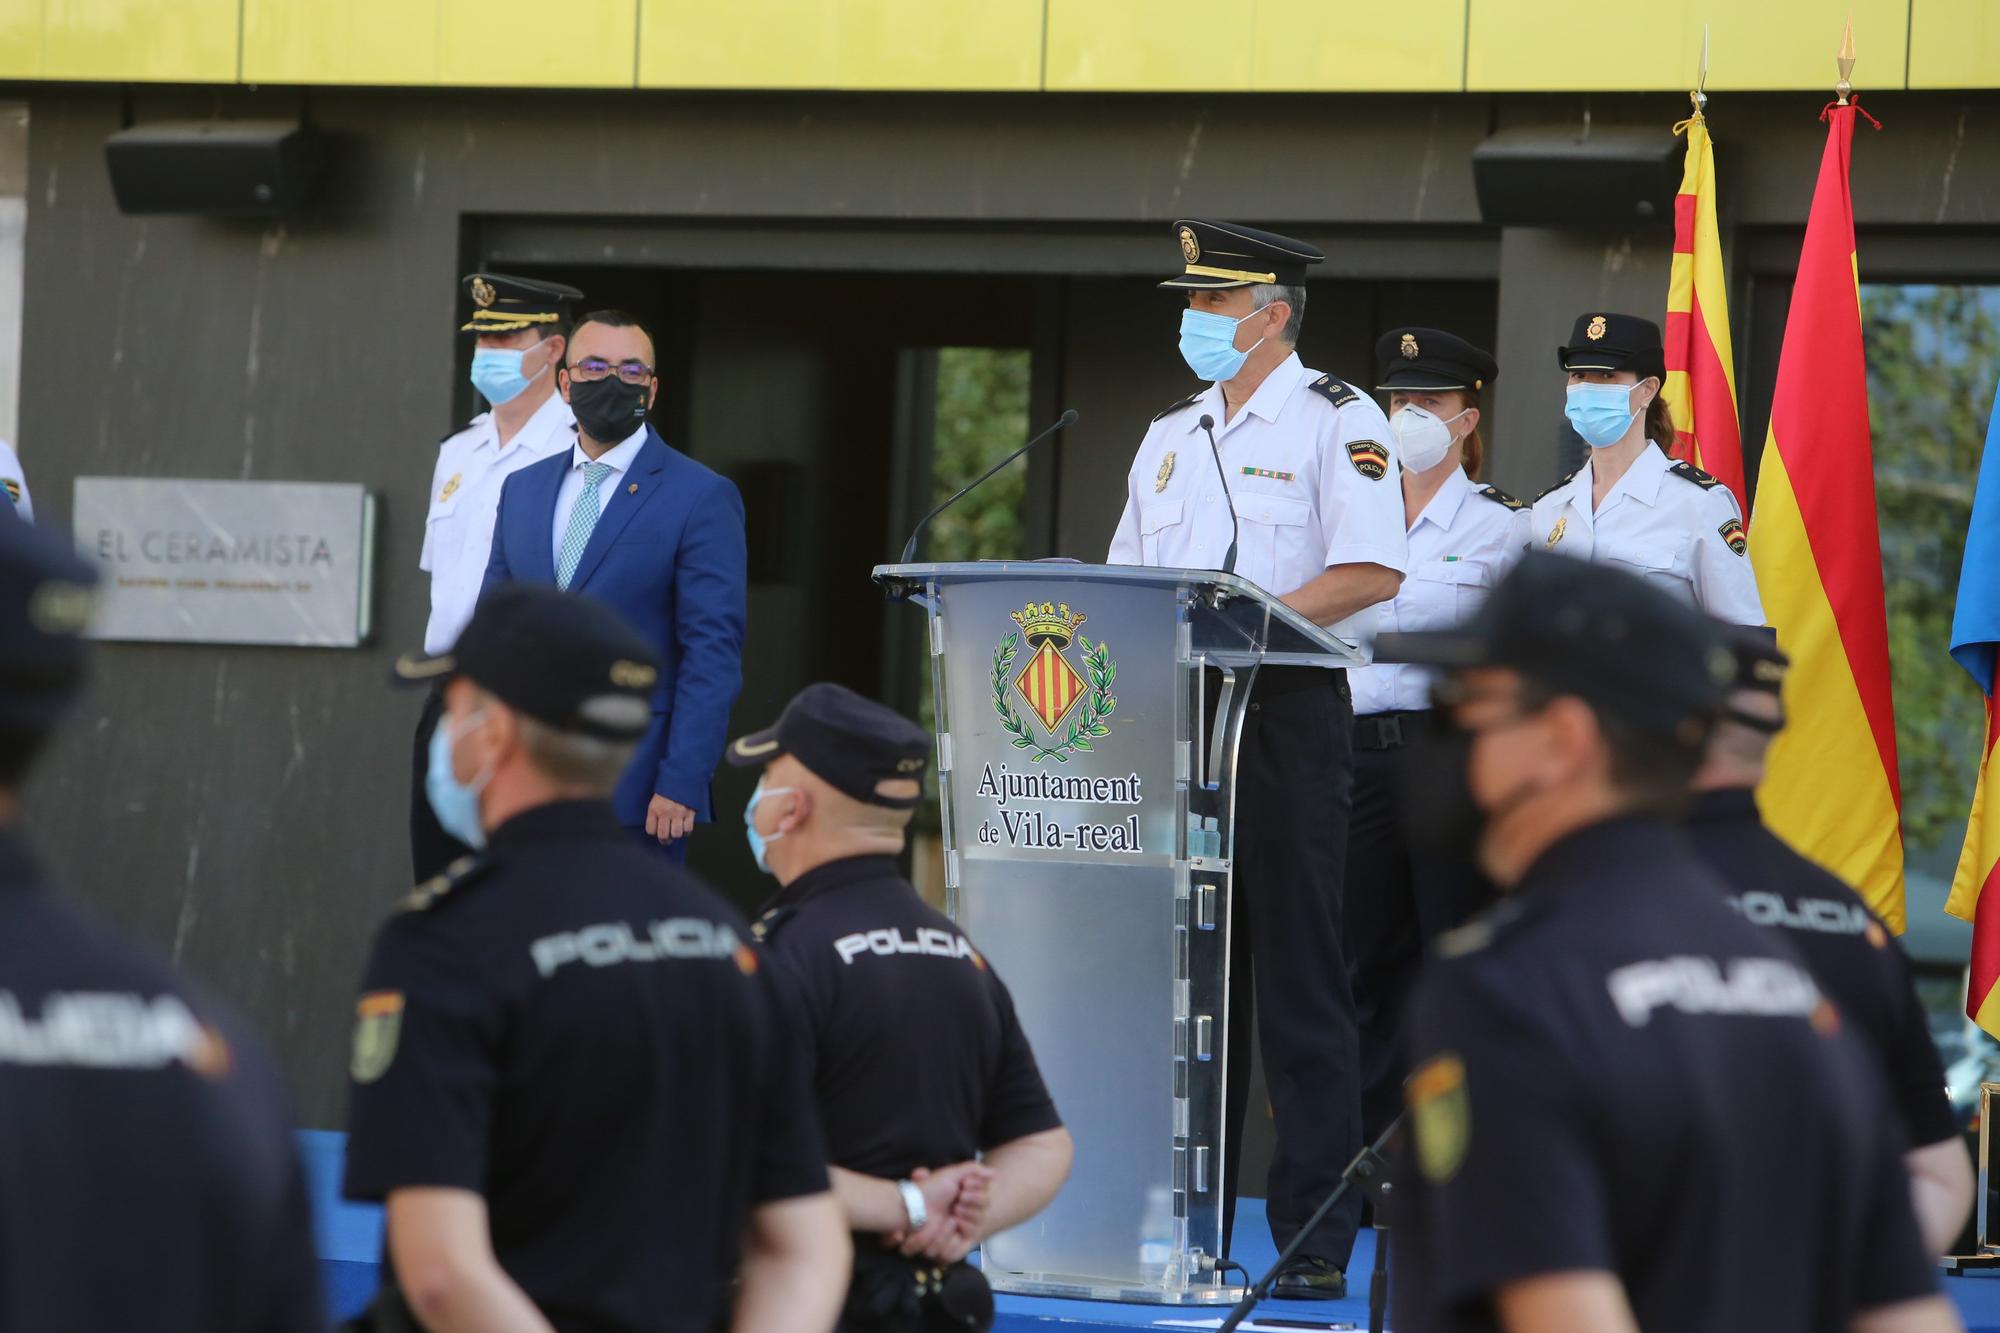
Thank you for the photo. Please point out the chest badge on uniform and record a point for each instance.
(1556, 532)
(1166, 473)
(378, 1022)
(450, 487)
(1370, 459)
(1051, 686)
(1732, 532)
(1441, 1116)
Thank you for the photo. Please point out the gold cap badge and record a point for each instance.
(1190, 247)
(1596, 329)
(483, 294)
(1410, 349)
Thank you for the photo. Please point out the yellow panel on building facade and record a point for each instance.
(1349, 46)
(1552, 45)
(960, 45)
(535, 44)
(1953, 44)
(175, 40)
(21, 39)
(353, 41)
(1149, 46)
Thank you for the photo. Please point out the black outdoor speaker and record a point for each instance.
(1607, 176)
(221, 168)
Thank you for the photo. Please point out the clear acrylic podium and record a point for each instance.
(1087, 782)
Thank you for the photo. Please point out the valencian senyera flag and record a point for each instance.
(1831, 789)
(1701, 374)
(1975, 636)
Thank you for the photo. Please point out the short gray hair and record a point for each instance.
(1266, 292)
(572, 759)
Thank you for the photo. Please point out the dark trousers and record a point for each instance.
(1292, 782)
(431, 848)
(1396, 904)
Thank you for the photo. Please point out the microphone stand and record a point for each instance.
(910, 547)
(1366, 1171)
(1235, 531)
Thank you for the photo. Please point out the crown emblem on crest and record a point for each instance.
(1596, 329)
(1048, 623)
(1410, 349)
(483, 294)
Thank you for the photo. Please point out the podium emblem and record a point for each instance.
(1070, 704)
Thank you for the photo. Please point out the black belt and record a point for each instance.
(1273, 681)
(1387, 731)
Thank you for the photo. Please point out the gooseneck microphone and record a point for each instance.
(1067, 419)
(1235, 529)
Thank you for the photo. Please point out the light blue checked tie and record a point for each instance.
(582, 518)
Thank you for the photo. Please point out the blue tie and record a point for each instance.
(582, 518)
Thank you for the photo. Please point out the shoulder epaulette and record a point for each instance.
(1689, 472)
(769, 924)
(1338, 392)
(1182, 405)
(1553, 489)
(1501, 498)
(1481, 930)
(459, 429)
(456, 876)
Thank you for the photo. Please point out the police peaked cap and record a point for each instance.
(1615, 342)
(1223, 254)
(46, 599)
(1414, 358)
(502, 303)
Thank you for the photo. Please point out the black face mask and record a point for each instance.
(609, 409)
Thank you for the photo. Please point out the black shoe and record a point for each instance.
(1307, 1278)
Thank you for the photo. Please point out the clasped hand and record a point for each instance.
(955, 1200)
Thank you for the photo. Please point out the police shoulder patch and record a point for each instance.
(378, 1023)
(1732, 533)
(1689, 472)
(1370, 459)
(1181, 406)
(1338, 392)
(456, 875)
(1553, 489)
(1501, 498)
(1440, 1115)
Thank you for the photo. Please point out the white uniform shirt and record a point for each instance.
(1315, 483)
(1672, 524)
(465, 498)
(1467, 537)
(14, 483)
(619, 457)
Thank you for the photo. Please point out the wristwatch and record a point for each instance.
(913, 1204)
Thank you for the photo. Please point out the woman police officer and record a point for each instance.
(1463, 537)
(1629, 504)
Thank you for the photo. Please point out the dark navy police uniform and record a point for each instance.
(148, 1178)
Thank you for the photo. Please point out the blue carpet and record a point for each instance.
(350, 1248)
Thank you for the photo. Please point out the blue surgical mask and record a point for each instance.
(496, 373)
(758, 842)
(1601, 413)
(455, 803)
(1208, 344)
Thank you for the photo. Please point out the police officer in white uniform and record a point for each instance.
(522, 330)
(1463, 537)
(1630, 505)
(1317, 490)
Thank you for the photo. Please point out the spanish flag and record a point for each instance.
(1975, 635)
(1831, 789)
(1701, 373)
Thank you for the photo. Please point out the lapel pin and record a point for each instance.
(633, 489)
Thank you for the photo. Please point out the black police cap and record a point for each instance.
(1415, 358)
(502, 303)
(45, 604)
(853, 743)
(1609, 637)
(1615, 342)
(561, 658)
(1224, 254)
(1760, 663)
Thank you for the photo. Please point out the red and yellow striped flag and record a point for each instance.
(1831, 789)
(1701, 372)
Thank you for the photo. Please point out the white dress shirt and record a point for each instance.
(1671, 524)
(465, 498)
(1299, 468)
(619, 457)
(1467, 537)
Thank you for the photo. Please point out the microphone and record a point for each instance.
(1235, 531)
(910, 547)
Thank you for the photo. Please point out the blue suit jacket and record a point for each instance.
(670, 558)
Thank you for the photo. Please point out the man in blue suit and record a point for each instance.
(624, 518)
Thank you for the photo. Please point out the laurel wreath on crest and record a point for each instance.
(1102, 671)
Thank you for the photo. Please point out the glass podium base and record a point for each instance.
(1072, 1287)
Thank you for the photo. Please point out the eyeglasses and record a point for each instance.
(594, 368)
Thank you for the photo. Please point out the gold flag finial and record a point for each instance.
(1845, 60)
